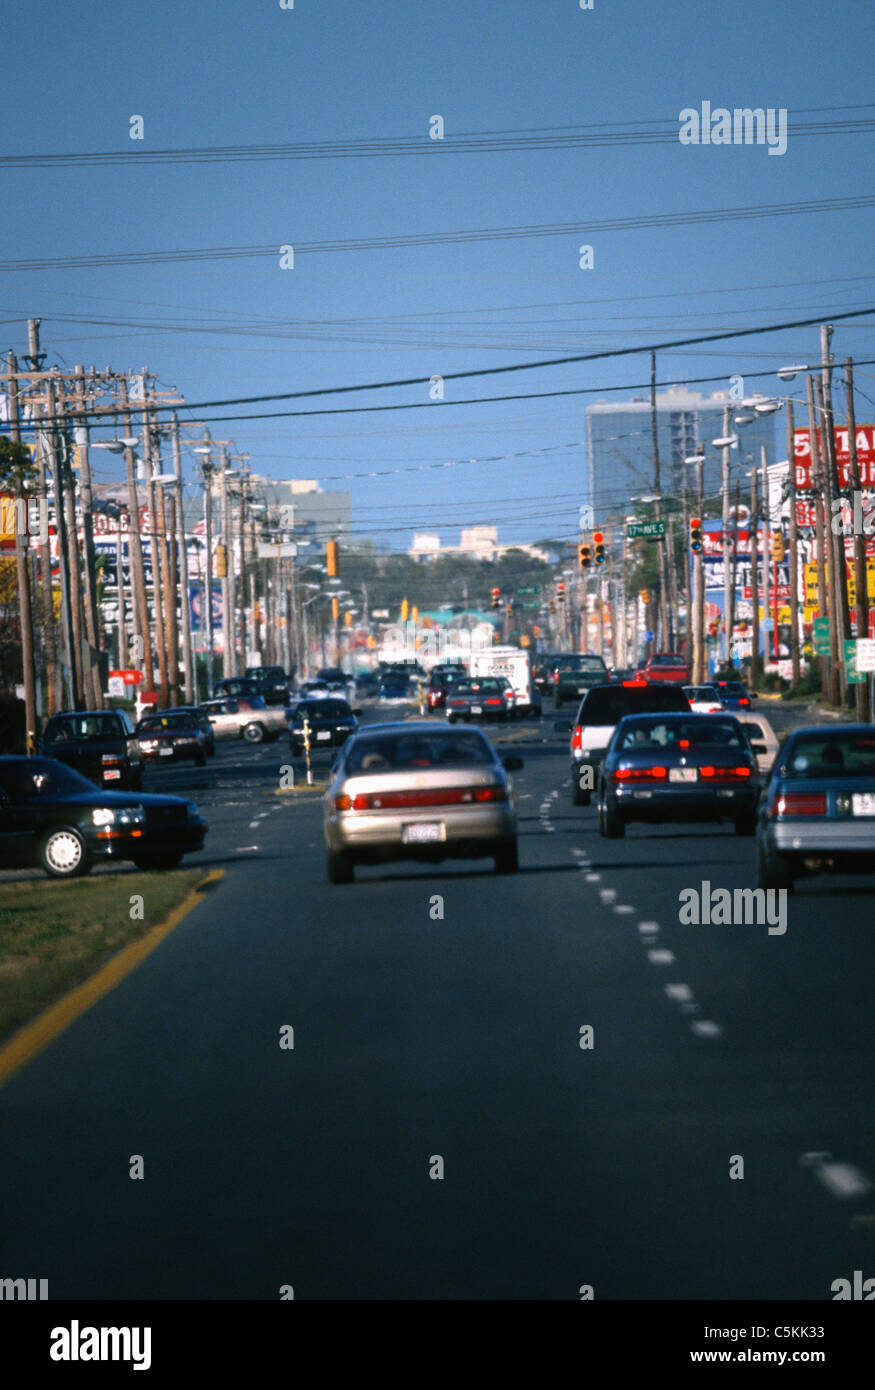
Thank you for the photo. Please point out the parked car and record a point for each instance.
(248, 718)
(482, 697)
(601, 710)
(419, 790)
(313, 690)
(678, 767)
(199, 716)
(817, 812)
(669, 668)
(330, 724)
(171, 737)
(703, 699)
(574, 674)
(763, 739)
(100, 744)
(51, 816)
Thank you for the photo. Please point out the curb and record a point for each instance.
(304, 787)
(32, 1038)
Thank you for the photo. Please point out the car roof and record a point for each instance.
(677, 714)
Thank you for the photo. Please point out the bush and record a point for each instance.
(809, 684)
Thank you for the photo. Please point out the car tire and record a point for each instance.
(253, 733)
(774, 870)
(200, 758)
(148, 862)
(339, 868)
(451, 719)
(64, 854)
(746, 825)
(507, 859)
(611, 823)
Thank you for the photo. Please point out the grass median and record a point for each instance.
(54, 935)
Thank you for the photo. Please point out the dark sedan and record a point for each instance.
(676, 767)
(98, 743)
(51, 816)
(329, 724)
(171, 737)
(817, 814)
(483, 697)
(440, 682)
(200, 717)
(733, 695)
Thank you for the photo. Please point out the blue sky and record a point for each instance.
(226, 74)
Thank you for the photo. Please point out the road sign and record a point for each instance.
(865, 654)
(852, 675)
(649, 636)
(528, 589)
(821, 636)
(645, 530)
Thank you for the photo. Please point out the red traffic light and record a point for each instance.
(598, 538)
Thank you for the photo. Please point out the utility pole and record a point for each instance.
(665, 634)
(727, 577)
(794, 547)
(826, 672)
(158, 579)
(170, 594)
(48, 630)
(135, 546)
(74, 575)
(94, 683)
(699, 575)
(22, 573)
(69, 674)
(207, 469)
(227, 637)
(754, 579)
(187, 663)
(767, 549)
(864, 713)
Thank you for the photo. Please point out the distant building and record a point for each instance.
(477, 543)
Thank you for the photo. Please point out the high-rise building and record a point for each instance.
(620, 447)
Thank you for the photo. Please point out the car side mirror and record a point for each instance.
(512, 762)
(562, 726)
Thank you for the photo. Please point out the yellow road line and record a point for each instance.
(37, 1035)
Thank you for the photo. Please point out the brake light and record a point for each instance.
(635, 684)
(493, 701)
(555, 677)
(640, 774)
(439, 796)
(744, 700)
(800, 804)
(725, 774)
(577, 737)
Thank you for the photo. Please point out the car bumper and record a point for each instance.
(469, 831)
(177, 755)
(684, 804)
(184, 838)
(824, 837)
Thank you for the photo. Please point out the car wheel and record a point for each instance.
(451, 719)
(200, 758)
(579, 796)
(611, 823)
(64, 854)
(253, 733)
(746, 825)
(339, 868)
(507, 859)
(774, 870)
(158, 861)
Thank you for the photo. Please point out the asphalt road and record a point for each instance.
(418, 1036)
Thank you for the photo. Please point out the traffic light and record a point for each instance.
(777, 546)
(509, 608)
(331, 559)
(553, 606)
(695, 534)
(584, 556)
(221, 561)
(347, 619)
(496, 598)
(598, 541)
(405, 609)
(644, 595)
(560, 591)
(414, 614)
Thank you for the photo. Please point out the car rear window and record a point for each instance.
(672, 734)
(609, 704)
(832, 755)
(70, 727)
(700, 692)
(402, 752)
(580, 663)
(166, 721)
(487, 685)
(323, 709)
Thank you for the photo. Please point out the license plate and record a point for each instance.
(476, 709)
(112, 776)
(682, 774)
(323, 735)
(166, 752)
(426, 832)
(863, 803)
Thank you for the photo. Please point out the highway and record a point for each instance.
(437, 1014)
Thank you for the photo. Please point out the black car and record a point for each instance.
(394, 685)
(573, 674)
(235, 685)
(272, 683)
(330, 722)
(336, 679)
(171, 737)
(53, 817)
(367, 683)
(543, 664)
(98, 743)
(199, 715)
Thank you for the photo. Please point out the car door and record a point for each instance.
(222, 714)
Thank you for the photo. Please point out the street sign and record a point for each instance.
(649, 636)
(821, 636)
(645, 530)
(865, 654)
(528, 589)
(852, 675)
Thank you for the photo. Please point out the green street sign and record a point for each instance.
(821, 636)
(852, 675)
(645, 530)
(528, 589)
(531, 603)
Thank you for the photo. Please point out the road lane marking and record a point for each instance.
(34, 1037)
(593, 878)
(843, 1180)
(704, 1028)
(624, 910)
(246, 849)
(607, 895)
(661, 957)
(679, 992)
(648, 928)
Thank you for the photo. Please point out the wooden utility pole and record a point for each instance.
(727, 577)
(48, 629)
(864, 712)
(753, 532)
(135, 545)
(768, 615)
(93, 682)
(665, 635)
(700, 665)
(187, 662)
(71, 690)
(794, 548)
(22, 573)
(826, 681)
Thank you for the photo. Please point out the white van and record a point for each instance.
(516, 664)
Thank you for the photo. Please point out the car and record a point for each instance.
(542, 667)
(703, 699)
(763, 739)
(171, 737)
(248, 718)
(817, 811)
(272, 683)
(574, 674)
(669, 668)
(313, 690)
(54, 818)
(199, 716)
(235, 685)
(338, 681)
(394, 685)
(678, 767)
(98, 743)
(483, 697)
(440, 682)
(366, 685)
(733, 695)
(419, 790)
(329, 724)
(601, 710)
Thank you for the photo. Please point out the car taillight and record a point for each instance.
(635, 684)
(799, 804)
(343, 803)
(577, 737)
(555, 678)
(639, 774)
(744, 700)
(439, 796)
(494, 701)
(725, 774)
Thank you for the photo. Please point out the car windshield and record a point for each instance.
(832, 755)
(678, 735)
(322, 709)
(488, 685)
(610, 704)
(400, 752)
(159, 723)
(35, 777)
(580, 663)
(69, 727)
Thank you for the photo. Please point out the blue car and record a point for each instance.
(817, 813)
(733, 695)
